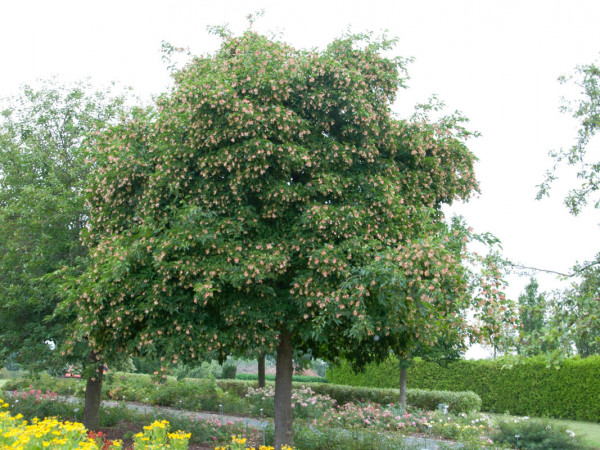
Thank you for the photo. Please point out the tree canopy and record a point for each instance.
(272, 201)
(42, 174)
(587, 112)
(575, 312)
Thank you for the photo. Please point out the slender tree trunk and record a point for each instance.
(93, 391)
(403, 388)
(261, 370)
(284, 433)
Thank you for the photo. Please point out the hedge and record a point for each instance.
(269, 377)
(571, 391)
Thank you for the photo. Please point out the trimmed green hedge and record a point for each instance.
(268, 377)
(532, 389)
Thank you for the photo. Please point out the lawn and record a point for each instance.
(589, 431)
(2, 383)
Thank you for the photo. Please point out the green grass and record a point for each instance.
(589, 431)
(3, 382)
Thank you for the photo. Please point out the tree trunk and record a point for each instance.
(284, 433)
(261, 370)
(403, 388)
(93, 391)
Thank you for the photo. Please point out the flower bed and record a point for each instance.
(51, 433)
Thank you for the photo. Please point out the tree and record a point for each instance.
(271, 202)
(42, 174)
(42, 171)
(573, 325)
(584, 307)
(587, 113)
(532, 307)
(575, 318)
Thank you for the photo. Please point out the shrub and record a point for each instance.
(421, 399)
(305, 403)
(229, 371)
(296, 378)
(530, 388)
(45, 382)
(194, 396)
(535, 434)
(374, 416)
(327, 438)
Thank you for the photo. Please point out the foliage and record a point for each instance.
(328, 438)
(42, 174)
(31, 404)
(295, 378)
(229, 371)
(52, 433)
(587, 113)
(584, 308)
(577, 310)
(532, 307)
(471, 429)
(213, 430)
(49, 432)
(210, 431)
(157, 436)
(531, 387)
(574, 318)
(416, 398)
(240, 443)
(195, 396)
(320, 414)
(45, 382)
(372, 415)
(385, 375)
(306, 403)
(271, 191)
(535, 434)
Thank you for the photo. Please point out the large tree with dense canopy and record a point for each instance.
(272, 202)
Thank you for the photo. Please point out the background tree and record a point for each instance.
(585, 312)
(573, 325)
(42, 171)
(532, 308)
(271, 202)
(587, 112)
(574, 322)
(42, 176)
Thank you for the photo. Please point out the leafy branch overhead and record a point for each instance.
(271, 200)
(587, 113)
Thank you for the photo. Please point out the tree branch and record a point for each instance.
(575, 272)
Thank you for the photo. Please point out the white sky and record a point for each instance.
(496, 61)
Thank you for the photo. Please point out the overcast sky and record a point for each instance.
(496, 61)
